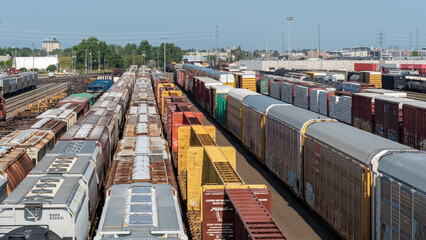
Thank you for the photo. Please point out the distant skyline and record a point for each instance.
(191, 24)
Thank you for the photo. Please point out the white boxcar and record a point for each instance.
(59, 202)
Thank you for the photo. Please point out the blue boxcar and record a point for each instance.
(100, 85)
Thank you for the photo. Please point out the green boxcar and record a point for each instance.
(85, 95)
(262, 85)
(221, 108)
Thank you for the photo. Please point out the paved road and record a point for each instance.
(294, 218)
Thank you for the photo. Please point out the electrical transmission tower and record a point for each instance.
(381, 38)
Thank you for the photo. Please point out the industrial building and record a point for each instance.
(49, 45)
(35, 62)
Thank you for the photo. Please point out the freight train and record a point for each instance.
(219, 205)
(26, 146)
(17, 82)
(59, 198)
(364, 186)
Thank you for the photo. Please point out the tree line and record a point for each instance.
(100, 54)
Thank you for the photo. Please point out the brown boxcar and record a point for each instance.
(388, 117)
(363, 111)
(14, 165)
(414, 125)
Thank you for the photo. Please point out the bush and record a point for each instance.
(51, 68)
(22, 70)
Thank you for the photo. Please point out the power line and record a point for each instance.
(131, 33)
(88, 35)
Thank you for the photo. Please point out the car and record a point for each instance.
(52, 74)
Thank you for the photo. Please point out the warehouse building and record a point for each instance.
(35, 62)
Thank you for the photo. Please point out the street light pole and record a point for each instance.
(133, 51)
(164, 66)
(99, 61)
(85, 62)
(289, 19)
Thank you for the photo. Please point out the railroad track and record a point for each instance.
(20, 102)
(416, 95)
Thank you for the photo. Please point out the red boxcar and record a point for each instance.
(363, 111)
(365, 67)
(414, 125)
(420, 67)
(229, 214)
(388, 117)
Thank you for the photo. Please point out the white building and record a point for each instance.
(35, 62)
(5, 58)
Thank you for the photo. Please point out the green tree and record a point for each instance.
(173, 53)
(93, 45)
(415, 54)
(51, 68)
(237, 53)
(275, 54)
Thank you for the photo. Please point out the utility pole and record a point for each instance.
(417, 39)
(217, 49)
(158, 58)
(90, 56)
(133, 54)
(266, 50)
(319, 41)
(99, 61)
(210, 48)
(85, 62)
(164, 64)
(410, 40)
(283, 42)
(289, 19)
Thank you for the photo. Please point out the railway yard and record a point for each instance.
(206, 154)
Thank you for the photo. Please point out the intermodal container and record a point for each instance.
(262, 85)
(389, 117)
(393, 82)
(414, 124)
(84, 95)
(358, 67)
(275, 89)
(324, 101)
(216, 92)
(245, 80)
(287, 92)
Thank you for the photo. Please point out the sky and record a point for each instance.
(192, 23)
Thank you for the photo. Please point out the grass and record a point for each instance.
(65, 63)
